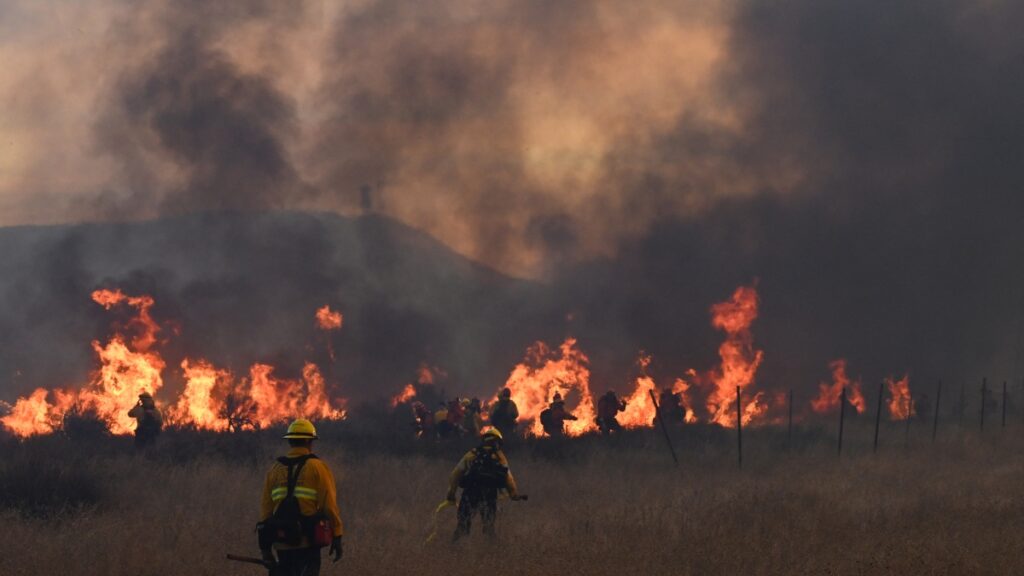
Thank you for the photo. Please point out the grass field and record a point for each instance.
(76, 506)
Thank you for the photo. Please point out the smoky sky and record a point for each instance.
(901, 246)
(859, 161)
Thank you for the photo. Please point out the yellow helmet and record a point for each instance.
(491, 434)
(301, 429)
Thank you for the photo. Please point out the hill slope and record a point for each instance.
(240, 288)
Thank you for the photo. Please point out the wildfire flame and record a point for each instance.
(901, 403)
(142, 324)
(201, 404)
(682, 387)
(546, 371)
(327, 319)
(212, 399)
(278, 400)
(739, 361)
(31, 415)
(829, 395)
(640, 409)
(407, 394)
(125, 372)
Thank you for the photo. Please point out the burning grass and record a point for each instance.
(597, 506)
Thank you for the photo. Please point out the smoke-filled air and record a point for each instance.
(698, 272)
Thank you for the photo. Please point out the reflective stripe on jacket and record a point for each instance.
(463, 467)
(315, 490)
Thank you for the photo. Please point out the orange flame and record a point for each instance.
(209, 399)
(546, 371)
(739, 364)
(640, 409)
(327, 319)
(275, 401)
(901, 403)
(829, 395)
(123, 375)
(32, 415)
(407, 394)
(212, 398)
(682, 387)
(113, 389)
(202, 403)
(142, 324)
(739, 361)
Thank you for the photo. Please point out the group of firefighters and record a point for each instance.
(461, 417)
(299, 513)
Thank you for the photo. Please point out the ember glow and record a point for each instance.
(212, 398)
(544, 372)
(829, 395)
(901, 403)
(426, 375)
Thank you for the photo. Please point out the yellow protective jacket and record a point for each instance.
(463, 467)
(315, 491)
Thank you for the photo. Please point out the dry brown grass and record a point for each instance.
(595, 507)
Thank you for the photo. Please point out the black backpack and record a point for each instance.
(150, 423)
(501, 413)
(486, 471)
(547, 419)
(287, 525)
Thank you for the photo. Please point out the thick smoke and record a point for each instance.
(510, 130)
(859, 160)
(899, 247)
(224, 132)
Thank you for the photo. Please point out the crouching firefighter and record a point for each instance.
(299, 509)
(482, 473)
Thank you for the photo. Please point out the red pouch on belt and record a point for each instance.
(322, 533)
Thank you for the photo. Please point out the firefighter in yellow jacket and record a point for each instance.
(299, 509)
(481, 474)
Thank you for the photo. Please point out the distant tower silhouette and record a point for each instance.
(366, 198)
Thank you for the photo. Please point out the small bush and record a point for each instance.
(84, 426)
